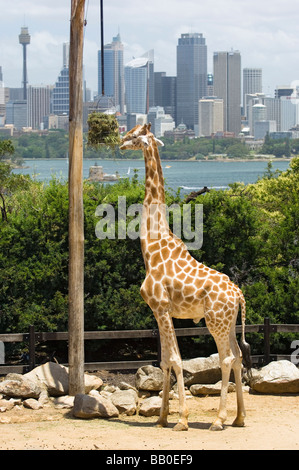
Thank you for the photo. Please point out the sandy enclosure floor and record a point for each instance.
(272, 424)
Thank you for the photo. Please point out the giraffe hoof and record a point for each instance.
(216, 427)
(239, 422)
(161, 423)
(180, 427)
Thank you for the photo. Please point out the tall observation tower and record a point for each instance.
(24, 39)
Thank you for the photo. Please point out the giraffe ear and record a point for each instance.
(126, 145)
(159, 142)
(149, 126)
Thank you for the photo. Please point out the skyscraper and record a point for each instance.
(113, 72)
(38, 106)
(252, 84)
(191, 77)
(2, 98)
(227, 85)
(136, 80)
(24, 39)
(210, 116)
(165, 93)
(139, 82)
(60, 95)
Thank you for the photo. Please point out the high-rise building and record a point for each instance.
(252, 84)
(160, 121)
(281, 91)
(151, 77)
(210, 116)
(38, 105)
(210, 85)
(165, 93)
(259, 113)
(114, 83)
(251, 100)
(191, 77)
(16, 113)
(158, 77)
(24, 39)
(60, 94)
(169, 95)
(139, 84)
(262, 128)
(227, 85)
(2, 98)
(65, 55)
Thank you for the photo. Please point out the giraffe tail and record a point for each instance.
(244, 346)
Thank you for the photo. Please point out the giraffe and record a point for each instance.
(178, 286)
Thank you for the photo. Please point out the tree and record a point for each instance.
(8, 181)
(237, 150)
(6, 149)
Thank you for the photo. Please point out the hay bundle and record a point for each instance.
(102, 130)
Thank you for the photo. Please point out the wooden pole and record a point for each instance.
(76, 215)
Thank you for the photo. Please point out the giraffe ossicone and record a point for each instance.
(178, 286)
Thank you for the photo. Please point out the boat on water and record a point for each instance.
(96, 174)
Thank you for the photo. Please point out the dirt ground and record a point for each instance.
(272, 424)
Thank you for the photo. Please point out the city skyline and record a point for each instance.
(266, 36)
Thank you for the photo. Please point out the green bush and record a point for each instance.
(250, 233)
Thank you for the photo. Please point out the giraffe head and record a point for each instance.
(138, 138)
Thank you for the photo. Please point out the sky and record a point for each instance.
(265, 32)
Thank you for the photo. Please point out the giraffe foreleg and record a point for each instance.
(170, 357)
(182, 425)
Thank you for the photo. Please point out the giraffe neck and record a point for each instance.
(154, 180)
(154, 225)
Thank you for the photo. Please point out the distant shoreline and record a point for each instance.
(230, 160)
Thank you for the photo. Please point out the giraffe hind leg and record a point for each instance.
(237, 368)
(226, 358)
(162, 421)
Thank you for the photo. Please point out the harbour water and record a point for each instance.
(189, 175)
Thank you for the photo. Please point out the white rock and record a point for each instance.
(202, 370)
(17, 385)
(276, 377)
(86, 407)
(6, 405)
(151, 406)
(66, 401)
(32, 404)
(151, 378)
(125, 401)
(210, 389)
(55, 378)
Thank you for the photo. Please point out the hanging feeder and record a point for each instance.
(102, 130)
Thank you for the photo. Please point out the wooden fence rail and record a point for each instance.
(32, 337)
